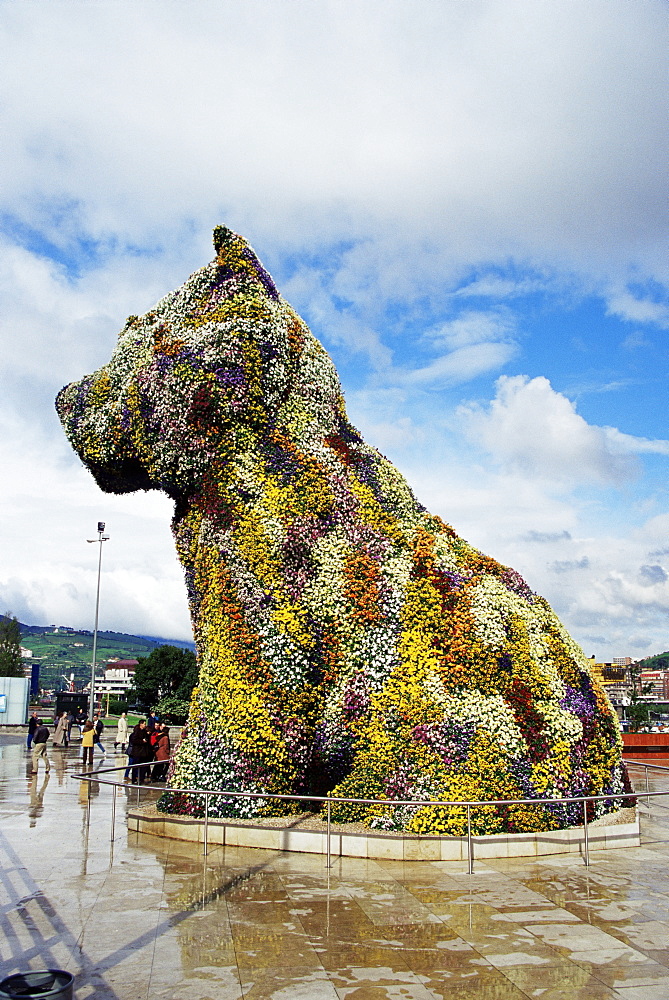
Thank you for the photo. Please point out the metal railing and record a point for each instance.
(646, 765)
(329, 800)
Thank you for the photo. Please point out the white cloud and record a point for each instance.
(500, 127)
(461, 365)
(339, 325)
(638, 310)
(55, 327)
(378, 155)
(531, 428)
(473, 327)
(630, 444)
(492, 286)
(48, 508)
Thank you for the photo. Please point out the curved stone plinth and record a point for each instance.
(297, 833)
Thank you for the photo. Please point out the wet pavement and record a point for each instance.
(149, 918)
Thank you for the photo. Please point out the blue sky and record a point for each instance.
(467, 203)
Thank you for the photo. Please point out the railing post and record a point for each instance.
(113, 815)
(470, 858)
(586, 852)
(88, 803)
(647, 786)
(328, 863)
(206, 823)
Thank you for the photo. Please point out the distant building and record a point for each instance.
(119, 676)
(614, 676)
(659, 681)
(26, 653)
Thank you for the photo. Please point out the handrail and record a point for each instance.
(329, 799)
(643, 763)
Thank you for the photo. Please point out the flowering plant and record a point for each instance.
(348, 641)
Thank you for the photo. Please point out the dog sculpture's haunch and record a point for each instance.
(347, 639)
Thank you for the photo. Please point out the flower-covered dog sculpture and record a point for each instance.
(348, 640)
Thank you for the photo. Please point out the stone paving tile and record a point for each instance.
(641, 974)
(591, 992)
(358, 982)
(149, 919)
(284, 983)
(485, 986)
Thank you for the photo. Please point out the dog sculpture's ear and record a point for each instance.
(190, 380)
(222, 237)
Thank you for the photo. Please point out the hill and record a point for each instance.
(658, 662)
(62, 651)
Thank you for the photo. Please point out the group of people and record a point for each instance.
(148, 745)
(63, 722)
(148, 751)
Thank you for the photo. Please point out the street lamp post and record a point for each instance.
(100, 539)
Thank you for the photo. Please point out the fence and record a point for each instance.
(328, 801)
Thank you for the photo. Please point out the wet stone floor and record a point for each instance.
(151, 918)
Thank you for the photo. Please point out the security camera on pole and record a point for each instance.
(100, 539)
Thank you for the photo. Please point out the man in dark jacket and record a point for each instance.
(140, 752)
(32, 726)
(39, 746)
(99, 727)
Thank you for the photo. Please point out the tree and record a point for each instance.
(166, 672)
(10, 647)
(173, 710)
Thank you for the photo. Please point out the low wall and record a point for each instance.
(388, 846)
(647, 748)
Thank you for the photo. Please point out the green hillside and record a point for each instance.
(61, 651)
(658, 662)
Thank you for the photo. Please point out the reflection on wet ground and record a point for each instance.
(150, 918)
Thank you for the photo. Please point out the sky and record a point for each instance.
(465, 200)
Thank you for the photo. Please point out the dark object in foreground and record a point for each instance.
(49, 984)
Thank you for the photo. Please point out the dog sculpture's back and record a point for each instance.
(347, 639)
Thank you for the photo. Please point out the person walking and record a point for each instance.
(33, 723)
(122, 733)
(60, 734)
(87, 737)
(161, 749)
(39, 747)
(98, 726)
(140, 752)
(80, 720)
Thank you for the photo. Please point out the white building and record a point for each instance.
(119, 676)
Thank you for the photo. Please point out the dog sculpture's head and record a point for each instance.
(190, 382)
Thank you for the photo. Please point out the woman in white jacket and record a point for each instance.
(121, 733)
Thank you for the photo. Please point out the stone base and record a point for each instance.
(388, 846)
